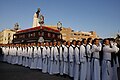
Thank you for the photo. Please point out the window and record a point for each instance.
(53, 35)
(8, 34)
(42, 33)
(29, 35)
(39, 33)
(75, 34)
(58, 36)
(23, 36)
(49, 35)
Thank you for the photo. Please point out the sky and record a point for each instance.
(101, 16)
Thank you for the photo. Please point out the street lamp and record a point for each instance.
(41, 20)
(59, 26)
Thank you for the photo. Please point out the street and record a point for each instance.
(15, 72)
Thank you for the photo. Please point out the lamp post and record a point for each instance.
(59, 26)
(41, 20)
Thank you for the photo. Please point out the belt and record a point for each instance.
(95, 58)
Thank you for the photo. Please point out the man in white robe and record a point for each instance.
(88, 48)
(55, 59)
(16, 61)
(48, 56)
(14, 50)
(7, 53)
(51, 58)
(60, 57)
(83, 60)
(71, 58)
(26, 56)
(65, 58)
(77, 61)
(44, 58)
(39, 62)
(106, 63)
(96, 48)
(20, 55)
(4, 53)
(10, 54)
(30, 52)
(33, 57)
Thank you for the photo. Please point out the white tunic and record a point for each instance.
(44, 60)
(77, 63)
(71, 61)
(34, 57)
(51, 61)
(106, 64)
(30, 56)
(83, 62)
(95, 62)
(65, 56)
(48, 59)
(7, 53)
(39, 63)
(61, 60)
(55, 60)
(33, 61)
(19, 55)
(88, 47)
(4, 53)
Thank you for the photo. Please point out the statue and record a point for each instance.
(36, 18)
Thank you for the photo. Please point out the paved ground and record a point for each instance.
(15, 72)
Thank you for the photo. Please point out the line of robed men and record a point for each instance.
(81, 60)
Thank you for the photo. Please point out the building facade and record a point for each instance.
(36, 34)
(6, 36)
(68, 34)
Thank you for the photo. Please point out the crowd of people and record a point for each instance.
(80, 60)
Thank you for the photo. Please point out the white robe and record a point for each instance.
(10, 55)
(16, 62)
(51, 61)
(96, 63)
(89, 71)
(5, 57)
(44, 60)
(65, 58)
(14, 50)
(61, 60)
(106, 64)
(7, 53)
(83, 63)
(4, 53)
(39, 62)
(33, 57)
(30, 56)
(48, 59)
(19, 56)
(24, 56)
(55, 61)
(77, 63)
(71, 61)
